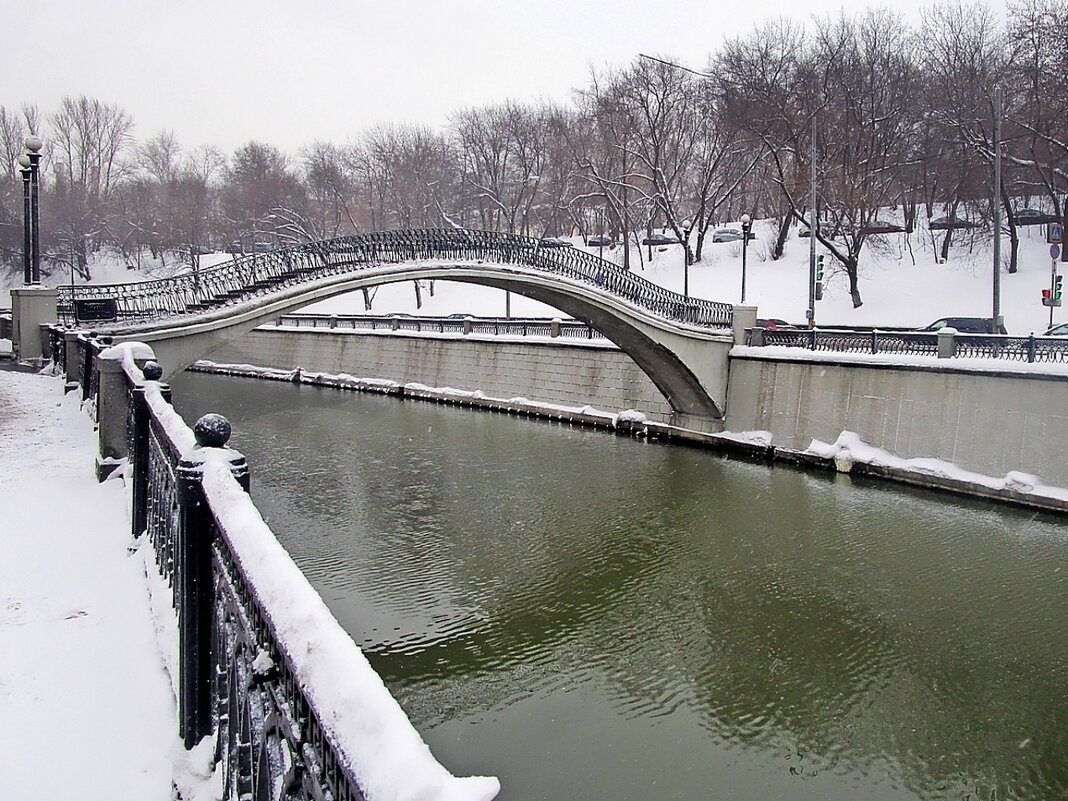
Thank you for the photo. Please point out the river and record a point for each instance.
(598, 618)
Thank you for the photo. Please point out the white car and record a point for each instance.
(1059, 330)
(730, 235)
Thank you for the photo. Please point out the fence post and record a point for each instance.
(947, 343)
(196, 535)
(1031, 348)
(139, 447)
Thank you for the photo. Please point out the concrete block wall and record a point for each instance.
(987, 422)
(568, 375)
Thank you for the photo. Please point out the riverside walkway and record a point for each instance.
(87, 703)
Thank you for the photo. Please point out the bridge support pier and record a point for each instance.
(744, 317)
(31, 308)
(113, 404)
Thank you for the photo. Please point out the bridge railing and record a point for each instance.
(263, 666)
(262, 273)
(497, 326)
(1029, 349)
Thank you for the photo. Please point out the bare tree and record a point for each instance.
(88, 138)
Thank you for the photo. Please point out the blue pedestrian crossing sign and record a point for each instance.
(1055, 234)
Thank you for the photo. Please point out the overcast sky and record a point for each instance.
(292, 71)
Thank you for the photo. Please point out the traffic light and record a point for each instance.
(1057, 290)
(1047, 297)
(819, 277)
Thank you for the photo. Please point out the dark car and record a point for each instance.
(1035, 217)
(660, 239)
(600, 242)
(554, 242)
(966, 325)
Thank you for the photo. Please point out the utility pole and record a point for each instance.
(997, 208)
(812, 222)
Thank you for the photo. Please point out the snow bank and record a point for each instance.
(849, 449)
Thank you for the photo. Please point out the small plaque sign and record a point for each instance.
(96, 309)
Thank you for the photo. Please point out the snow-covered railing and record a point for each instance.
(455, 324)
(261, 274)
(950, 344)
(295, 709)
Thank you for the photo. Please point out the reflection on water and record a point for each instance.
(595, 617)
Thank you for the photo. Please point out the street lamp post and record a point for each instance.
(27, 224)
(747, 223)
(686, 225)
(33, 155)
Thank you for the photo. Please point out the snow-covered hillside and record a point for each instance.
(901, 284)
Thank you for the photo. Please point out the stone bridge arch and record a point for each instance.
(680, 343)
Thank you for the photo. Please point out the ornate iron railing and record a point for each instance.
(1029, 349)
(261, 274)
(236, 679)
(497, 326)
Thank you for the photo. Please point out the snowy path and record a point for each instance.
(86, 705)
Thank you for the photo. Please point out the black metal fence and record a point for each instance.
(235, 678)
(263, 273)
(1030, 349)
(496, 326)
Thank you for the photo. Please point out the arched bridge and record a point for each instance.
(681, 343)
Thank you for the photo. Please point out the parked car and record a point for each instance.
(730, 235)
(659, 239)
(554, 242)
(965, 325)
(1059, 330)
(774, 324)
(1035, 217)
(950, 224)
(804, 233)
(882, 227)
(600, 242)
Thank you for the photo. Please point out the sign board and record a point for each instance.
(1055, 234)
(1054, 251)
(96, 309)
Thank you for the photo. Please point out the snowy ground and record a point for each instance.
(901, 283)
(86, 705)
(81, 675)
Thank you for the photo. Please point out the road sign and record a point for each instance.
(1054, 251)
(1055, 234)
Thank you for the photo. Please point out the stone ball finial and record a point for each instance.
(212, 431)
(152, 371)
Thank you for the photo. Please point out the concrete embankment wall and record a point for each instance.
(977, 418)
(551, 372)
(987, 422)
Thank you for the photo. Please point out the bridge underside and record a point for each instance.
(687, 364)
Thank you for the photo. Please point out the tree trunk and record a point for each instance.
(1014, 236)
(854, 288)
(780, 240)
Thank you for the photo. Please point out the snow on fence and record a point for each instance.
(294, 708)
(946, 344)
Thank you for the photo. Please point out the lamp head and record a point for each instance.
(746, 219)
(33, 143)
(24, 161)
